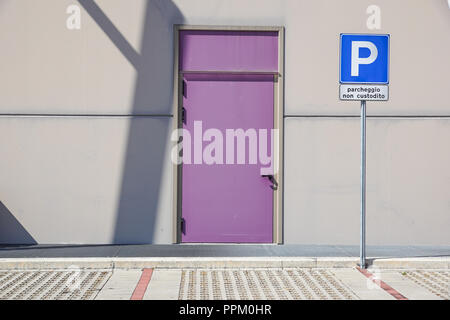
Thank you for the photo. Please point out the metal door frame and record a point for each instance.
(277, 233)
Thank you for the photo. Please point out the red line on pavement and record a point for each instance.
(142, 284)
(383, 285)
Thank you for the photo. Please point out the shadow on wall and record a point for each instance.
(151, 121)
(13, 232)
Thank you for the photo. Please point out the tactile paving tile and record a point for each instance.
(272, 284)
(51, 285)
(437, 282)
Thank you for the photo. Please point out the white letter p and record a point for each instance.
(356, 60)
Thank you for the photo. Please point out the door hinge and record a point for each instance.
(183, 89)
(182, 226)
(183, 115)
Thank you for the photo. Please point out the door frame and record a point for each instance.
(277, 232)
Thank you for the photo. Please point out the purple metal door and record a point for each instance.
(224, 196)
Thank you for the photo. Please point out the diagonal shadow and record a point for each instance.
(12, 231)
(150, 120)
(112, 32)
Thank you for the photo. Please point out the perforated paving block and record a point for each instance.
(273, 284)
(52, 285)
(437, 282)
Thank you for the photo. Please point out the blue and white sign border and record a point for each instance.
(365, 34)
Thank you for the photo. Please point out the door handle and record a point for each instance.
(274, 185)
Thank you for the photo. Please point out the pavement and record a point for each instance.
(217, 250)
(206, 272)
(225, 284)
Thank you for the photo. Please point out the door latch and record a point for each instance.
(274, 185)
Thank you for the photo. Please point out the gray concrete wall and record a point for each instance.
(79, 180)
(408, 180)
(85, 118)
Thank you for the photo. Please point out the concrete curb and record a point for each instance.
(219, 262)
(412, 263)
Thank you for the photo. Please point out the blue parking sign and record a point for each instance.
(364, 58)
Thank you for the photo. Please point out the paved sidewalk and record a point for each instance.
(225, 284)
(218, 256)
(216, 250)
(120, 285)
(222, 272)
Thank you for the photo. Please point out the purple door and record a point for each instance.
(228, 117)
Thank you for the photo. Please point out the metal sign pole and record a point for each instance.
(363, 186)
(367, 82)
